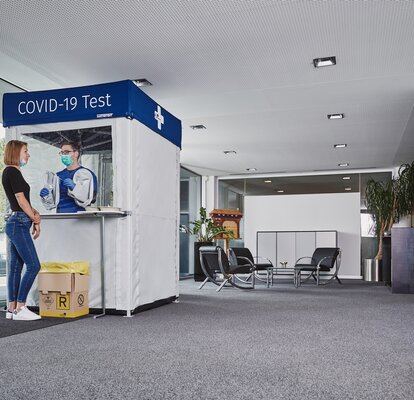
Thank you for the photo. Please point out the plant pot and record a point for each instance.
(198, 272)
(386, 260)
(402, 256)
(372, 270)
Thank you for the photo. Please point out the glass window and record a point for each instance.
(184, 195)
(190, 202)
(96, 155)
(229, 198)
(367, 225)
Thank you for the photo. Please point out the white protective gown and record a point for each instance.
(82, 193)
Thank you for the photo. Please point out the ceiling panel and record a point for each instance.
(242, 68)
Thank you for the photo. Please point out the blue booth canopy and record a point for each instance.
(109, 100)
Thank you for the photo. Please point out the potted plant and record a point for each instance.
(381, 202)
(388, 202)
(205, 231)
(406, 190)
(403, 237)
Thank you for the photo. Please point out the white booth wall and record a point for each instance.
(310, 212)
(142, 256)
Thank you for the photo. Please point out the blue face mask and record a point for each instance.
(66, 159)
(22, 163)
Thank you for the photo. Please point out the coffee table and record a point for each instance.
(283, 270)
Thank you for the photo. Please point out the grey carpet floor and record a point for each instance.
(10, 328)
(354, 341)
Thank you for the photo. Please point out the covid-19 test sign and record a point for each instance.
(51, 105)
(109, 100)
(97, 101)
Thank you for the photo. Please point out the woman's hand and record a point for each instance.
(36, 218)
(36, 231)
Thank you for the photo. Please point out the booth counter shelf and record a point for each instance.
(102, 215)
(87, 214)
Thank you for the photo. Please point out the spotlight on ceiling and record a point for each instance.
(336, 116)
(229, 152)
(142, 82)
(267, 181)
(280, 191)
(348, 189)
(340, 146)
(324, 62)
(346, 178)
(197, 127)
(343, 164)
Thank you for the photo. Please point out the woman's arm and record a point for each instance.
(26, 207)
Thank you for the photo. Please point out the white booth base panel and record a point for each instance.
(79, 240)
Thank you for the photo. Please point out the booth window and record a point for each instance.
(96, 155)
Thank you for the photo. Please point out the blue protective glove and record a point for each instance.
(44, 192)
(69, 183)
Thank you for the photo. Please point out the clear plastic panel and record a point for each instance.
(96, 155)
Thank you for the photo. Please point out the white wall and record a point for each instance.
(339, 211)
(208, 192)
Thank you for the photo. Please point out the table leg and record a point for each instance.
(102, 267)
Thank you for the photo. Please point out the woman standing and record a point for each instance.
(22, 250)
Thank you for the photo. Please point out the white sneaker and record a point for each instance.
(24, 314)
(9, 315)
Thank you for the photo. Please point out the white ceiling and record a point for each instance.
(241, 68)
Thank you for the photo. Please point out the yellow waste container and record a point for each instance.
(63, 289)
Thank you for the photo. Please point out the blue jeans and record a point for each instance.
(21, 251)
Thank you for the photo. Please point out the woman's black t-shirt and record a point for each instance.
(13, 182)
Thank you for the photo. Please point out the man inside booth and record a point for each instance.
(73, 188)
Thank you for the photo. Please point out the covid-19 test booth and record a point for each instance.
(132, 144)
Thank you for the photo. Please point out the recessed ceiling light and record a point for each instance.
(229, 152)
(268, 181)
(346, 178)
(336, 116)
(142, 82)
(251, 169)
(348, 189)
(324, 61)
(343, 164)
(197, 127)
(340, 146)
(281, 191)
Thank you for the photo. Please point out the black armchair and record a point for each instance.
(324, 259)
(216, 267)
(242, 256)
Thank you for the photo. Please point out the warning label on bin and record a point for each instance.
(63, 302)
(48, 301)
(81, 300)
